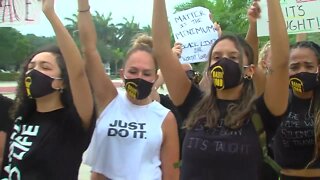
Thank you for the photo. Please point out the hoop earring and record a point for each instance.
(248, 77)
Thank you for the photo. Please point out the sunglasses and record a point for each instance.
(194, 76)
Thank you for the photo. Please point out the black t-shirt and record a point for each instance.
(221, 153)
(294, 139)
(5, 104)
(46, 146)
(166, 102)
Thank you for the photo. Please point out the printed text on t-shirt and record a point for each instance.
(127, 129)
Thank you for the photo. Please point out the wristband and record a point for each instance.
(85, 10)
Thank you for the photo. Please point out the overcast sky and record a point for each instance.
(140, 9)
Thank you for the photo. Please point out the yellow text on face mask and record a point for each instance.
(296, 84)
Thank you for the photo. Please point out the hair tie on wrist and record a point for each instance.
(85, 10)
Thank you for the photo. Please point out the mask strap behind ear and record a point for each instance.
(56, 78)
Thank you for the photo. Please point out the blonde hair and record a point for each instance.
(265, 50)
(141, 40)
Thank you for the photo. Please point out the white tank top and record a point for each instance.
(127, 140)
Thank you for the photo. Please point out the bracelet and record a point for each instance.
(85, 10)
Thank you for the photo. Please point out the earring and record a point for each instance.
(248, 77)
(60, 90)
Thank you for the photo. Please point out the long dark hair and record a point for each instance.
(237, 113)
(24, 106)
(316, 95)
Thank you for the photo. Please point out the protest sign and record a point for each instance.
(301, 16)
(19, 12)
(195, 30)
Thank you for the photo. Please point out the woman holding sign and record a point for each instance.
(54, 112)
(135, 137)
(221, 140)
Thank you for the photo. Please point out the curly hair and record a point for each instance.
(265, 50)
(24, 106)
(316, 98)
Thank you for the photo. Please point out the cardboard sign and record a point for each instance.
(301, 16)
(195, 30)
(19, 12)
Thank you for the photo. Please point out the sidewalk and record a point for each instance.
(8, 88)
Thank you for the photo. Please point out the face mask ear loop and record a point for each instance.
(59, 89)
(317, 79)
(55, 78)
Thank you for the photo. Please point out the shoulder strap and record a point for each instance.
(258, 125)
(311, 173)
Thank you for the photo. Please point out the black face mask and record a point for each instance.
(226, 74)
(138, 88)
(303, 82)
(38, 84)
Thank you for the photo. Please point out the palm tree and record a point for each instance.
(72, 27)
(106, 31)
(126, 31)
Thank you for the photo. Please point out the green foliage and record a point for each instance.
(9, 76)
(232, 17)
(14, 47)
(113, 39)
(314, 37)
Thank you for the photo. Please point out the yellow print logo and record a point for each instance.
(296, 84)
(132, 89)
(28, 82)
(217, 76)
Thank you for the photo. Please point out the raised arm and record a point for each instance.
(79, 83)
(103, 88)
(175, 78)
(176, 50)
(252, 38)
(276, 99)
